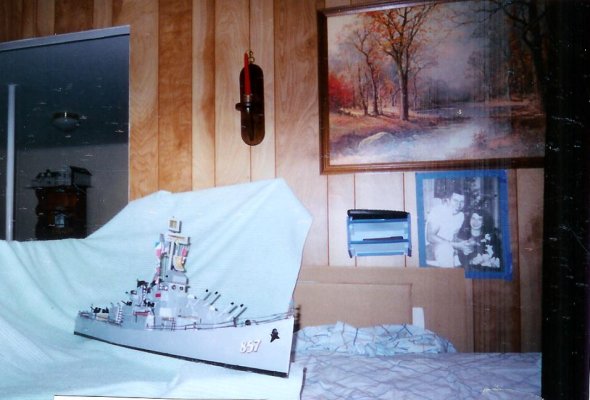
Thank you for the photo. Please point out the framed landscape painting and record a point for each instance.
(429, 85)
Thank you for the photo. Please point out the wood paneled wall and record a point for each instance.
(175, 86)
(186, 56)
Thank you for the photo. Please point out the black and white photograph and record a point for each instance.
(463, 222)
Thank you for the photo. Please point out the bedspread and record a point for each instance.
(406, 362)
(452, 376)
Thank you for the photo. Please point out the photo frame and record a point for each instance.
(463, 92)
(463, 222)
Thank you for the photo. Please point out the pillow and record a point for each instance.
(379, 340)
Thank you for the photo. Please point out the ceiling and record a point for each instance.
(85, 73)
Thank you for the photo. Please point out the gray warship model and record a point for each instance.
(161, 316)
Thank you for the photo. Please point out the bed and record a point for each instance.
(407, 362)
(372, 341)
(343, 350)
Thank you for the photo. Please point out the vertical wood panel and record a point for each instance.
(297, 117)
(11, 16)
(73, 15)
(142, 16)
(469, 313)
(262, 44)
(45, 17)
(203, 142)
(232, 155)
(530, 238)
(175, 95)
(445, 289)
(340, 200)
(29, 19)
(512, 333)
(380, 191)
(496, 303)
(103, 14)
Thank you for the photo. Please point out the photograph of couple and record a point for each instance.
(463, 222)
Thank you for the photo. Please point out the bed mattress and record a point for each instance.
(407, 362)
(421, 376)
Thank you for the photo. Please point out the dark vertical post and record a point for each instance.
(566, 243)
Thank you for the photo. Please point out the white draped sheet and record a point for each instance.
(246, 243)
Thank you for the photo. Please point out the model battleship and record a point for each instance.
(161, 316)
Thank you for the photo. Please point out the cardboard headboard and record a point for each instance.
(438, 299)
(360, 305)
(357, 304)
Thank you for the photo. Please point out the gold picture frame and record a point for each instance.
(461, 93)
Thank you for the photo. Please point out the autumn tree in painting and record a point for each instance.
(340, 93)
(378, 41)
(528, 41)
(365, 42)
(400, 32)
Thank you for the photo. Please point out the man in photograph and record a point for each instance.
(442, 225)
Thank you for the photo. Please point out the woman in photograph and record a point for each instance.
(480, 245)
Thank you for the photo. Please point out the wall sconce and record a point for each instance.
(65, 121)
(251, 105)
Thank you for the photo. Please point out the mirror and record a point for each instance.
(71, 132)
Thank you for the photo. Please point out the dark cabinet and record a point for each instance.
(61, 203)
(61, 212)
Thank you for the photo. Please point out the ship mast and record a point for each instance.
(173, 249)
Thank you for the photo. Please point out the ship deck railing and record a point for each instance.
(173, 326)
